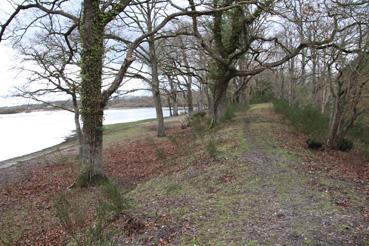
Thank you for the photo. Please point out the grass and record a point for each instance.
(251, 192)
(122, 131)
(225, 198)
(304, 118)
(194, 188)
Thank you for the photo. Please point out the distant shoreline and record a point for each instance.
(121, 103)
(4, 111)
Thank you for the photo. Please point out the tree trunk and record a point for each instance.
(335, 134)
(77, 123)
(173, 95)
(175, 107)
(170, 106)
(240, 90)
(292, 81)
(155, 83)
(220, 96)
(315, 81)
(92, 105)
(282, 89)
(159, 111)
(189, 96)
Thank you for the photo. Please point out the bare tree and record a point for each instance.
(54, 71)
(244, 37)
(92, 21)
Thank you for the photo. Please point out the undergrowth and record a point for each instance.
(304, 118)
(72, 217)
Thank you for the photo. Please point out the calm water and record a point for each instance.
(25, 133)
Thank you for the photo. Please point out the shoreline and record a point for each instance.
(46, 151)
(68, 144)
(5, 112)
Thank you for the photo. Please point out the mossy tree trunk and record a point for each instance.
(226, 45)
(221, 80)
(92, 103)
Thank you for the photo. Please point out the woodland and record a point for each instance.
(276, 100)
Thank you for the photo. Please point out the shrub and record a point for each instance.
(345, 145)
(261, 99)
(313, 122)
(160, 153)
(199, 123)
(360, 131)
(313, 144)
(114, 201)
(211, 148)
(307, 119)
(110, 206)
(229, 112)
(173, 139)
(366, 152)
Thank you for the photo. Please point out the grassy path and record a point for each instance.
(287, 209)
(253, 193)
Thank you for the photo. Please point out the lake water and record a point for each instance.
(25, 133)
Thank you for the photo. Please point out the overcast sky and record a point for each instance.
(8, 60)
(9, 75)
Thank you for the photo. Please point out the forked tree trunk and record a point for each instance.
(219, 92)
(92, 105)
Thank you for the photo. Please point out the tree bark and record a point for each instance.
(170, 106)
(92, 31)
(220, 95)
(156, 93)
(335, 134)
(160, 130)
(188, 80)
(189, 96)
(155, 83)
(173, 96)
(77, 123)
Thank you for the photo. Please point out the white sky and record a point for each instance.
(9, 75)
(8, 60)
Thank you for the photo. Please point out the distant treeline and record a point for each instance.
(125, 102)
